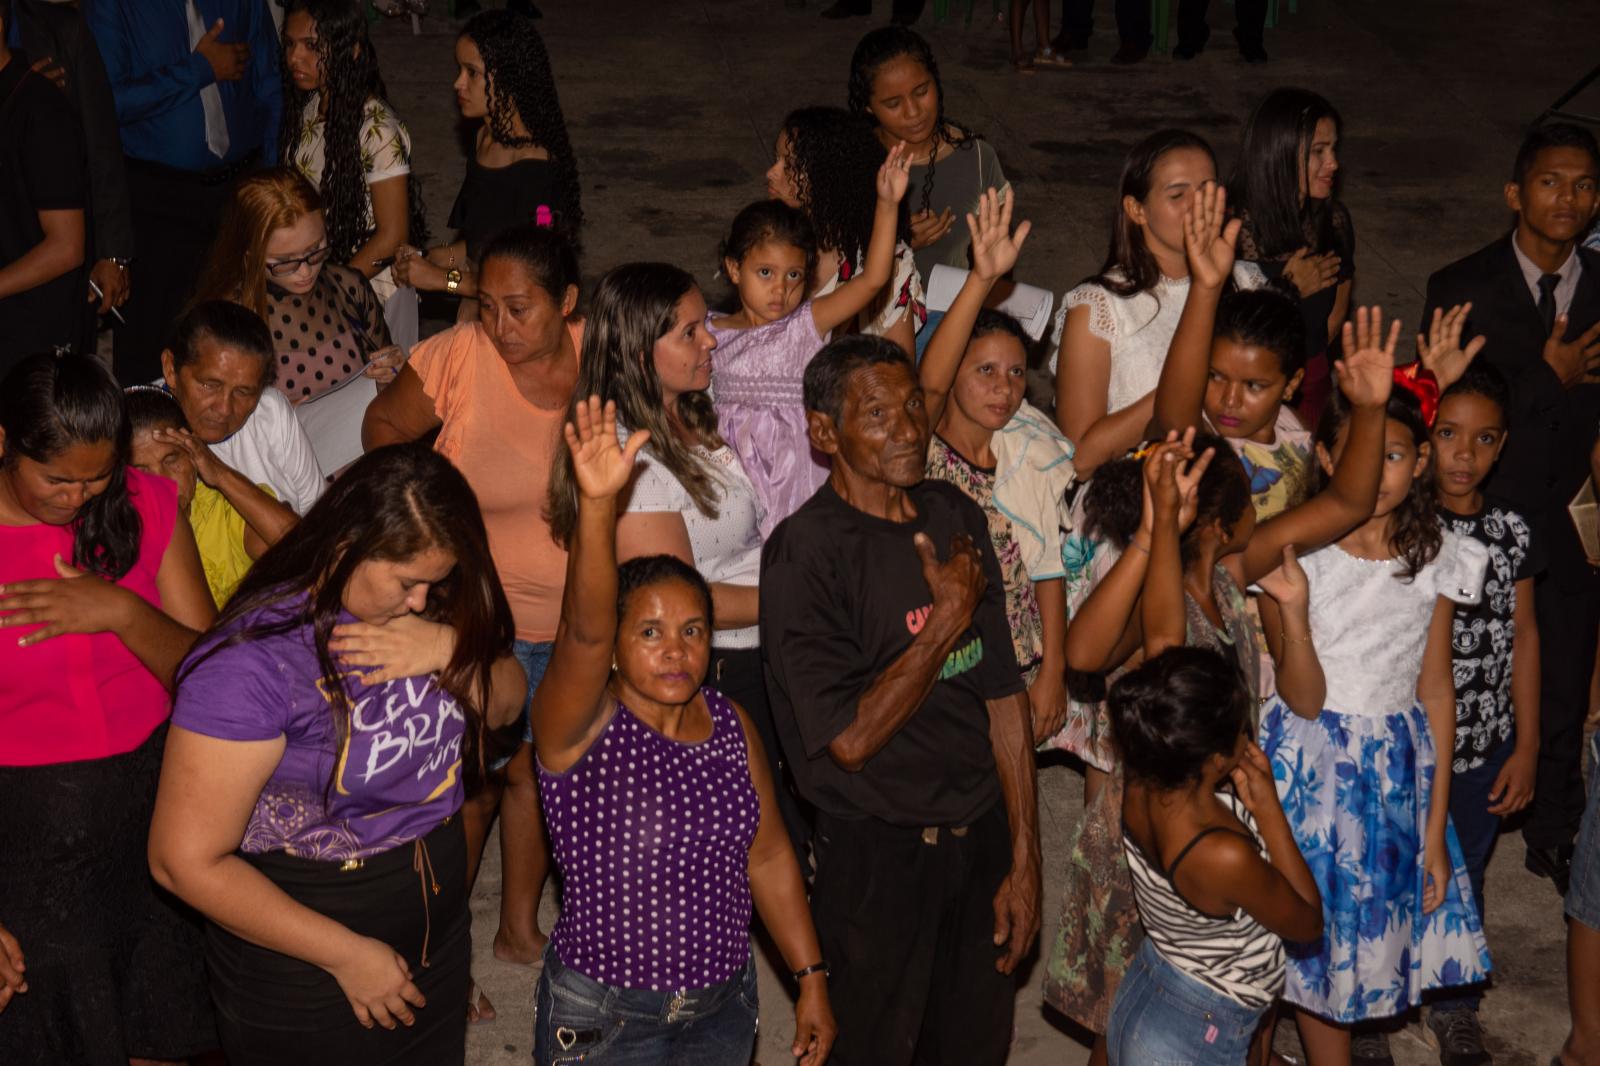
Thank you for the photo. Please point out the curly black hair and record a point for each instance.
(350, 78)
(1114, 505)
(520, 84)
(880, 46)
(833, 158)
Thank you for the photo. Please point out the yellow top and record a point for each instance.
(219, 534)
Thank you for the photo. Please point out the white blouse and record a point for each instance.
(1369, 627)
(726, 548)
(1139, 329)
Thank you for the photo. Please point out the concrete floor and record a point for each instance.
(673, 108)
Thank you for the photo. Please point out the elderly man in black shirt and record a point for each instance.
(903, 715)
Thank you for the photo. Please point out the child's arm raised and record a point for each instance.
(569, 702)
(1365, 376)
(1286, 618)
(1208, 243)
(848, 300)
(1174, 496)
(994, 253)
(1436, 691)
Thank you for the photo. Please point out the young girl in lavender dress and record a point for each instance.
(1366, 700)
(651, 959)
(763, 348)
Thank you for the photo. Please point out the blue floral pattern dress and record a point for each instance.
(1356, 783)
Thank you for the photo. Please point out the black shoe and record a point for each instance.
(1130, 52)
(1186, 51)
(1252, 50)
(844, 9)
(1070, 42)
(1554, 863)
(1460, 1037)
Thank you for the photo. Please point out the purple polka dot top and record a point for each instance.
(653, 838)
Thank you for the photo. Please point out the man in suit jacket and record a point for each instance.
(1535, 296)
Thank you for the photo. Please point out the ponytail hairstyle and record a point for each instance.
(880, 46)
(543, 251)
(350, 79)
(1129, 267)
(634, 306)
(392, 504)
(1414, 533)
(1174, 712)
(48, 403)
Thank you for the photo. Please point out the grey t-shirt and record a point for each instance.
(958, 180)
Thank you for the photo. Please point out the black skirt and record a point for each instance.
(273, 1009)
(115, 968)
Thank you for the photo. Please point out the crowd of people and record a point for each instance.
(763, 601)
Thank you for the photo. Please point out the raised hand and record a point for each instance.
(1288, 584)
(1311, 273)
(994, 247)
(1366, 373)
(1209, 238)
(600, 465)
(1440, 351)
(1576, 360)
(894, 177)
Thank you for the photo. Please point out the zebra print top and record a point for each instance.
(1231, 954)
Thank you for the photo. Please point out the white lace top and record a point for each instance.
(1139, 329)
(1369, 627)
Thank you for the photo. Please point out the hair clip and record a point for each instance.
(543, 218)
(1144, 449)
(1419, 381)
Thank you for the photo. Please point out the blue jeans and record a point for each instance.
(580, 1020)
(1476, 829)
(1583, 897)
(534, 657)
(1162, 1015)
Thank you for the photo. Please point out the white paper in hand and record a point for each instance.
(333, 421)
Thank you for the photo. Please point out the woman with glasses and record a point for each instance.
(271, 255)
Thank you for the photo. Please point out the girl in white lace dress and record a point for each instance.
(1361, 633)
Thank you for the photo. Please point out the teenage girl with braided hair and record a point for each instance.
(825, 163)
(346, 139)
(894, 80)
(522, 171)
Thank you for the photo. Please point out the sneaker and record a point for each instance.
(1370, 1047)
(1460, 1037)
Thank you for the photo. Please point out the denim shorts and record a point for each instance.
(534, 656)
(577, 1019)
(1583, 896)
(1164, 1017)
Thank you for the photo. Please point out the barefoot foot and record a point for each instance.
(519, 950)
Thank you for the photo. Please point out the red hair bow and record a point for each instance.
(1419, 381)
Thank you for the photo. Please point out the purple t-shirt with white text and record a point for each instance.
(398, 778)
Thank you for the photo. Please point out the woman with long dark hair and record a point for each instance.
(1285, 189)
(100, 580)
(1113, 330)
(341, 132)
(308, 805)
(826, 164)
(494, 391)
(522, 170)
(894, 81)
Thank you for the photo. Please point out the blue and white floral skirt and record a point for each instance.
(1355, 789)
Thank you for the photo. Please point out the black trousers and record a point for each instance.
(1250, 19)
(175, 217)
(738, 675)
(907, 926)
(272, 1009)
(1133, 19)
(1567, 605)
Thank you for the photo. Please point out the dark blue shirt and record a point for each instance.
(156, 78)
